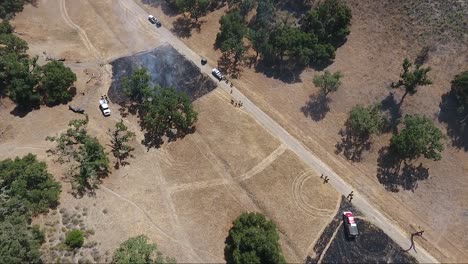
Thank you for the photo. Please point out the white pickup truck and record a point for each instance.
(104, 106)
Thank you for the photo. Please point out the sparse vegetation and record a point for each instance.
(419, 137)
(120, 136)
(90, 160)
(74, 239)
(138, 250)
(253, 239)
(411, 79)
(328, 82)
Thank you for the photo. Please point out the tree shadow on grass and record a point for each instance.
(184, 25)
(229, 67)
(285, 71)
(396, 175)
(317, 107)
(351, 145)
(390, 106)
(457, 128)
(156, 140)
(167, 7)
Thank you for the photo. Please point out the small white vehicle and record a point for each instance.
(153, 20)
(104, 106)
(216, 73)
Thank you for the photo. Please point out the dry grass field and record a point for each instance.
(184, 195)
(383, 33)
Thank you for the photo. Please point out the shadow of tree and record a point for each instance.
(456, 127)
(155, 140)
(317, 107)
(228, 66)
(351, 145)
(394, 177)
(184, 25)
(168, 7)
(285, 71)
(391, 108)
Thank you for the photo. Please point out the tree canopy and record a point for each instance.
(90, 160)
(411, 79)
(19, 242)
(460, 90)
(8, 8)
(120, 136)
(138, 250)
(26, 189)
(365, 121)
(56, 81)
(328, 82)
(232, 31)
(27, 83)
(196, 8)
(329, 21)
(419, 137)
(163, 111)
(253, 239)
(27, 180)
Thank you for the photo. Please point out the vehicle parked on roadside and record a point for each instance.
(216, 73)
(154, 21)
(350, 224)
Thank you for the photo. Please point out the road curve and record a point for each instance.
(305, 154)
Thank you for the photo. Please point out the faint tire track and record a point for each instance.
(299, 200)
(89, 46)
(153, 224)
(263, 164)
(198, 185)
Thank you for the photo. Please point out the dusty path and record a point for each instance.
(373, 214)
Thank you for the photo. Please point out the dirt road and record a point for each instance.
(373, 214)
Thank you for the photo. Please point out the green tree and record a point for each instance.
(8, 8)
(90, 160)
(419, 137)
(138, 250)
(261, 26)
(362, 123)
(74, 238)
(19, 242)
(196, 8)
(411, 79)
(328, 82)
(329, 21)
(27, 180)
(120, 136)
(288, 42)
(253, 239)
(56, 82)
(167, 112)
(460, 91)
(365, 121)
(93, 165)
(230, 37)
(137, 85)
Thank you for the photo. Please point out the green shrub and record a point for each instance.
(74, 238)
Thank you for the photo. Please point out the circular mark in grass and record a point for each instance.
(300, 200)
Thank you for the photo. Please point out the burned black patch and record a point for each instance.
(166, 67)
